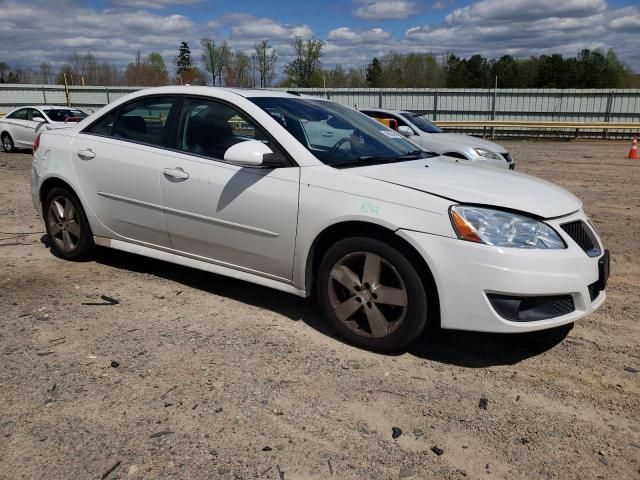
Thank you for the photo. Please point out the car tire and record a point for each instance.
(383, 311)
(69, 232)
(7, 143)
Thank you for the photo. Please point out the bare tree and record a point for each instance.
(306, 67)
(266, 58)
(242, 69)
(46, 73)
(215, 58)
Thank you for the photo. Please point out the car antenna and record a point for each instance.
(293, 92)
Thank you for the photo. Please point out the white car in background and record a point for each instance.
(308, 196)
(18, 129)
(421, 131)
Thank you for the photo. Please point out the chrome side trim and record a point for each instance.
(216, 221)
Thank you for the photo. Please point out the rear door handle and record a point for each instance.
(176, 173)
(86, 154)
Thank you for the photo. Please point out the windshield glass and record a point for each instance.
(337, 135)
(62, 114)
(421, 122)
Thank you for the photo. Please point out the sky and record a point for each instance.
(354, 31)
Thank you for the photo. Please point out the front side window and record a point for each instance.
(209, 128)
(33, 113)
(144, 121)
(337, 135)
(104, 126)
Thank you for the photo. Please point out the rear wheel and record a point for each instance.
(67, 225)
(7, 143)
(372, 294)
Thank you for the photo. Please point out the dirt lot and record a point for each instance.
(218, 378)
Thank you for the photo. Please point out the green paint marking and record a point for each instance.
(369, 209)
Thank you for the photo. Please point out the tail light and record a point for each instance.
(36, 143)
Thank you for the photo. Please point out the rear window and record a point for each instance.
(64, 114)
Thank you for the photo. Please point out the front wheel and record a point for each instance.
(67, 225)
(372, 294)
(7, 143)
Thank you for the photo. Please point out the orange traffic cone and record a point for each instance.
(633, 153)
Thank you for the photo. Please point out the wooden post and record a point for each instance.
(66, 89)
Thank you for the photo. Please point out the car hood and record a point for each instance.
(449, 140)
(465, 183)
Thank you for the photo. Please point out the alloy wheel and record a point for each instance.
(64, 225)
(367, 294)
(7, 143)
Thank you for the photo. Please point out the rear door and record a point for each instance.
(242, 217)
(117, 160)
(18, 130)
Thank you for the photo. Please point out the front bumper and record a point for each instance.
(465, 273)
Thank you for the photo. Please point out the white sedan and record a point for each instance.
(18, 129)
(430, 137)
(389, 238)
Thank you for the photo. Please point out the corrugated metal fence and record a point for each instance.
(570, 105)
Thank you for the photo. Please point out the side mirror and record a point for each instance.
(406, 131)
(249, 153)
(38, 119)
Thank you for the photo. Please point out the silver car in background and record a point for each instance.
(421, 131)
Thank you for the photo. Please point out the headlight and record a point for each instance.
(483, 152)
(502, 229)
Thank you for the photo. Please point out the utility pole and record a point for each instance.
(66, 89)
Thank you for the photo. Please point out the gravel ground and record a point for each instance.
(192, 375)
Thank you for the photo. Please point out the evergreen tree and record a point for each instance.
(374, 73)
(183, 62)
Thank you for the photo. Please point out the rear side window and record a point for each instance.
(19, 114)
(142, 121)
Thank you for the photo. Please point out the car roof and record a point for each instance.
(384, 110)
(47, 107)
(193, 89)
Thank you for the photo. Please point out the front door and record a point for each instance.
(118, 162)
(242, 217)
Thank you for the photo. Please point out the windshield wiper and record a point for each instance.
(371, 160)
(363, 161)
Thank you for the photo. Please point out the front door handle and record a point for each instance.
(86, 154)
(176, 173)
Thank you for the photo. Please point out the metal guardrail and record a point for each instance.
(542, 129)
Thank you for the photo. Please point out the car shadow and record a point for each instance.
(465, 349)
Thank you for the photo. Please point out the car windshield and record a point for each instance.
(421, 122)
(62, 114)
(337, 135)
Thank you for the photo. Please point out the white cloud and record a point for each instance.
(346, 35)
(626, 20)
(386, 9)
(523, 28)
(500, 10)
(246, 26)
(154, 4)
(28, 36)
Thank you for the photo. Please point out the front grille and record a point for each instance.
(583, 236)
(562, 305)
